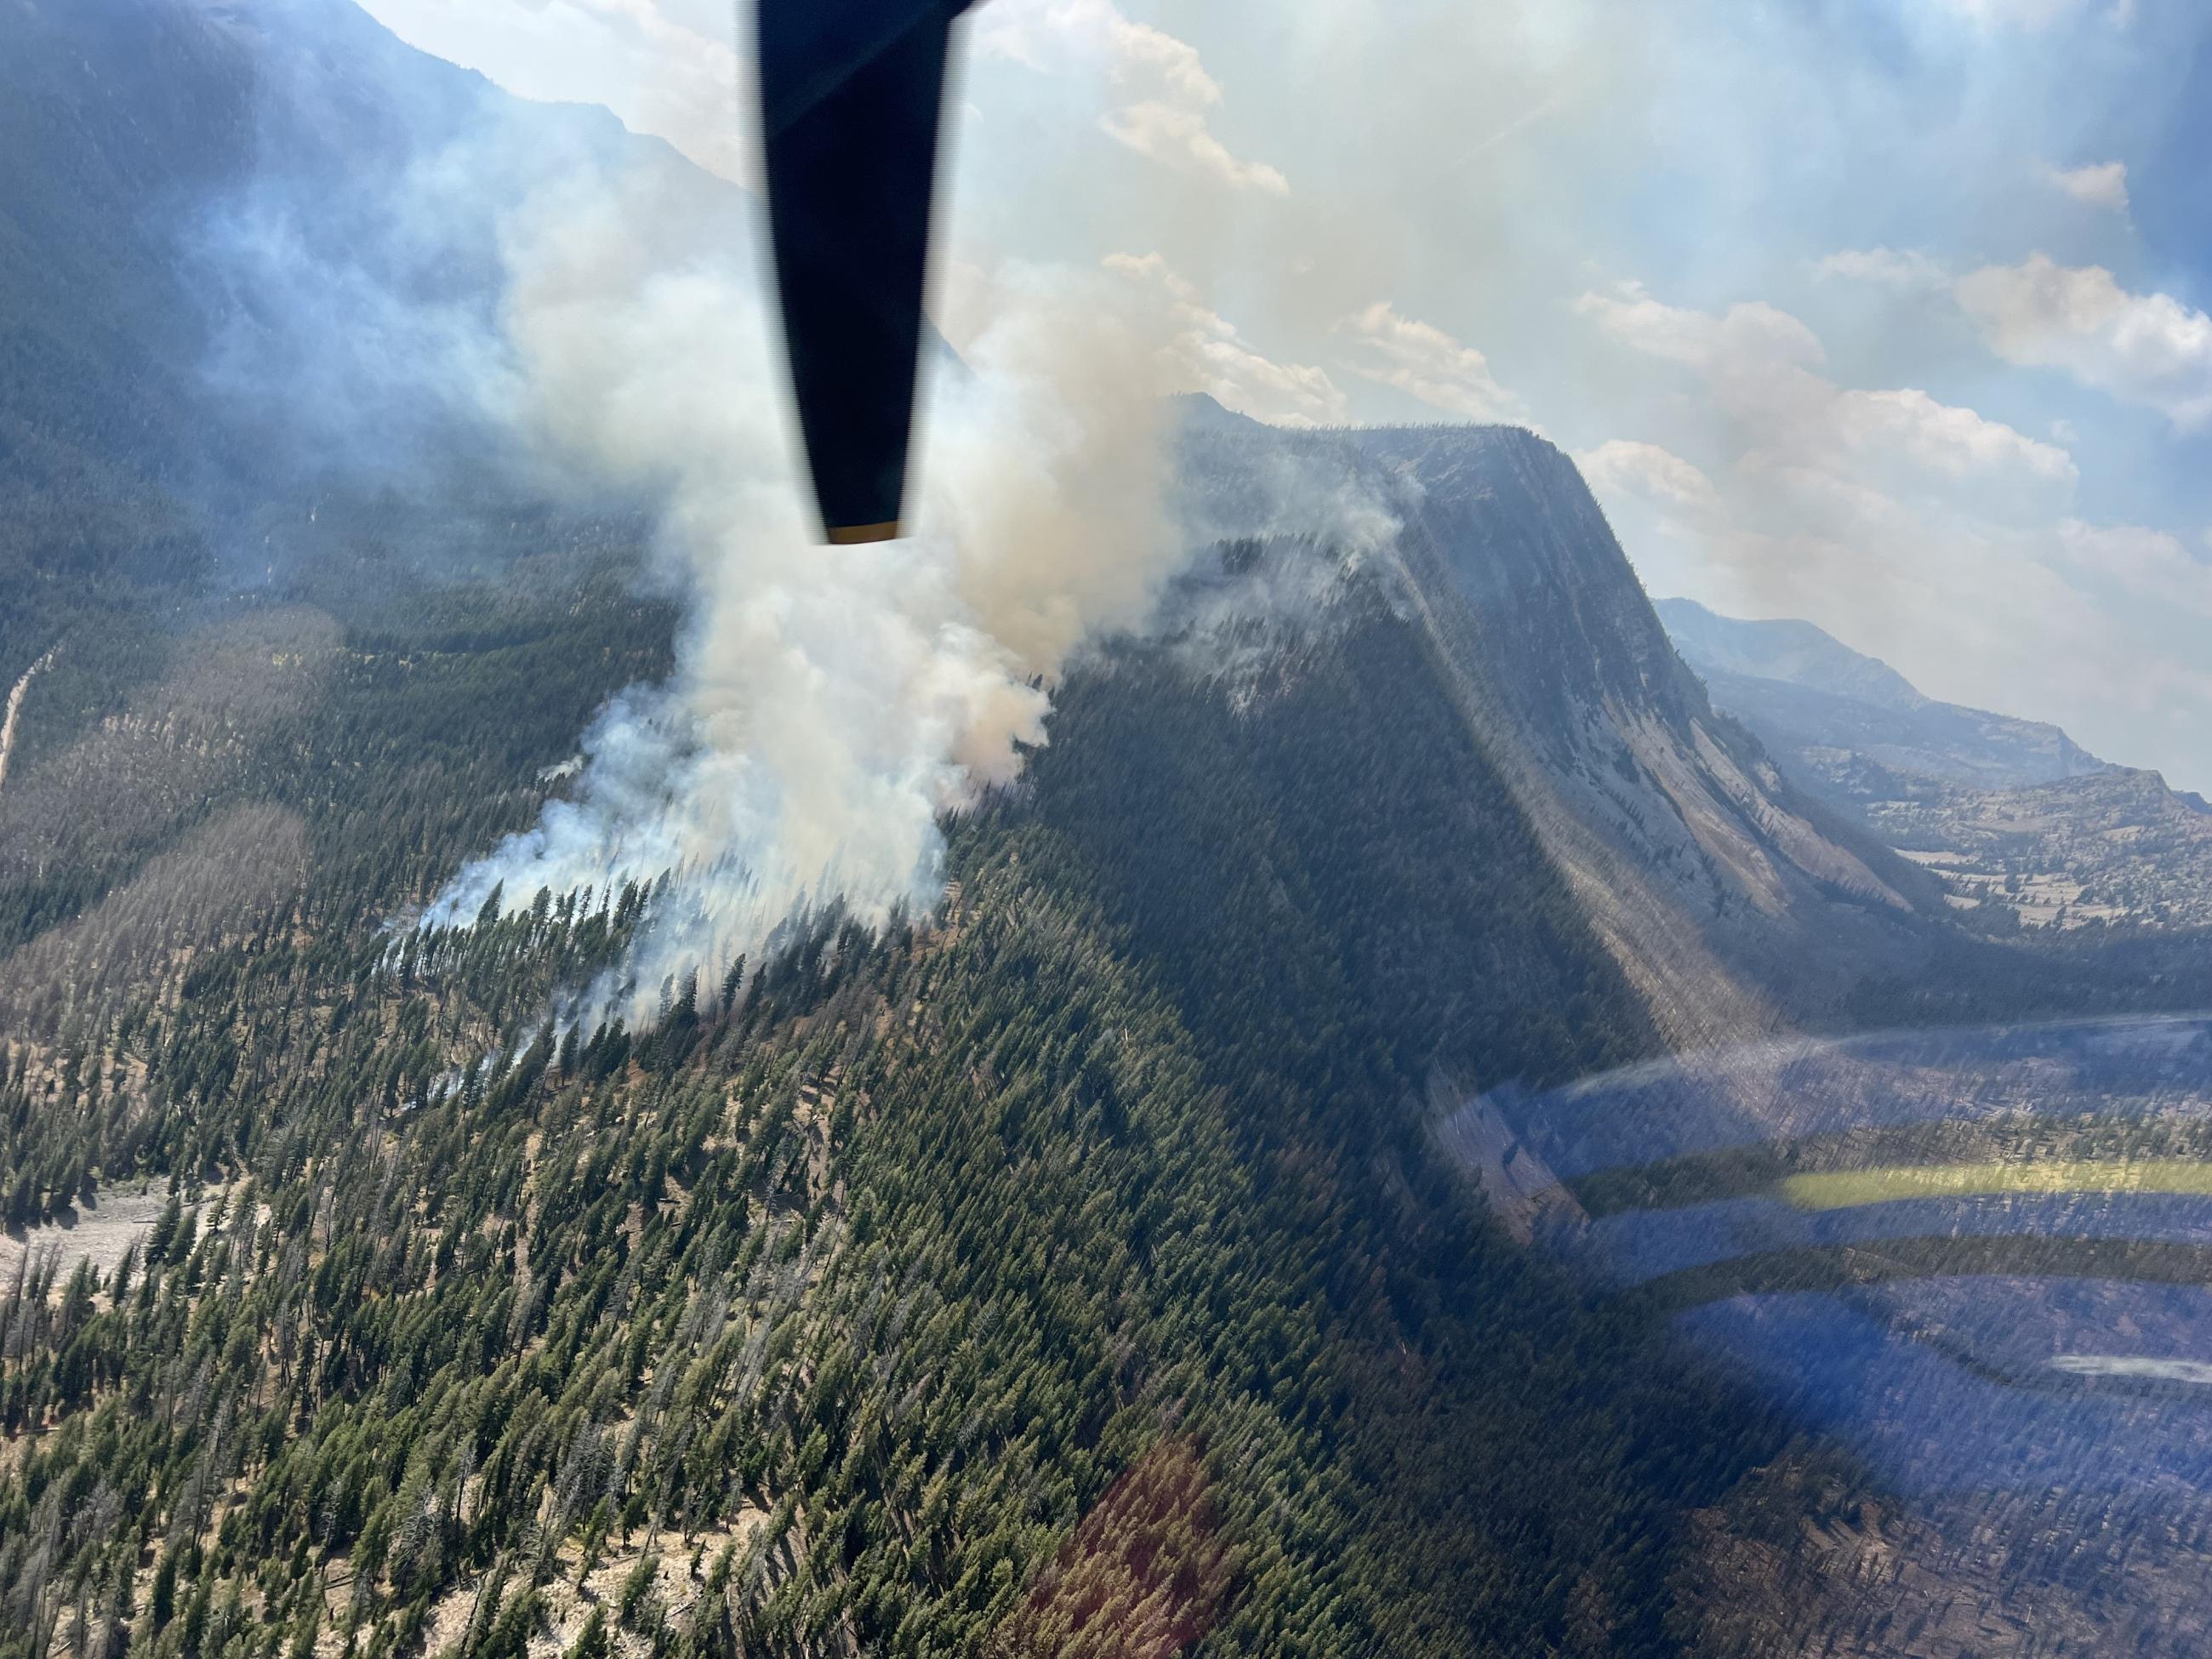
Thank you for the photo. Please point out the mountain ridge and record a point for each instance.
(2019, 825)
(1707, 869)
(1807, 689)
(1783, 648)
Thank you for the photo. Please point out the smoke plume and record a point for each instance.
(529, 295)
(830, 705)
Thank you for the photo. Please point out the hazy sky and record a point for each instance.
(1888, 313)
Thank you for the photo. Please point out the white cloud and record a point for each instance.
(1424, 363)
(1623, 466)
(1042, 34)
(2148, 349)
(2101, 184)
(1179, 137)
(1884, 267)
(1752, 335)
(2144, 563)
(1208, 354)
(1165, 93)
(1942, 437)
(1758, 362)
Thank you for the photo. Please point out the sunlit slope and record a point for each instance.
(1846, 1188)
(2021, 825)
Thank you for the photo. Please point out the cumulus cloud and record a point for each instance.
(2142, 563)
(1941, 437)
(1043, 35)
(1757, 363)
(1178, 137)
(1166, 97)
(1884, 267)
(1424, 363)
(1749, 335)
(1208, 354)
(1624, 467)
(2099, 185)
(2148, 349)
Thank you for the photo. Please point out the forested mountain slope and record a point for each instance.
(849, 1302)
(112, 119)
(1076, 1259)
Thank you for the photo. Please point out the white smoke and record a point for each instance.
(830, 705)
(533, 292)
(13, 711)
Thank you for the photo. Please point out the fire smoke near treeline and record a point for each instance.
(600, 311)
(829, 705)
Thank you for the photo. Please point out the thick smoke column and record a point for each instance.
(828, 704)
(530, 290)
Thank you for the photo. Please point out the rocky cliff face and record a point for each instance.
(1713, 880)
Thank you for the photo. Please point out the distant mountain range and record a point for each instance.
(2018, 820)
(1841, 712)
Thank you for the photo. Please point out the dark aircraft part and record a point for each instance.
(851, 93)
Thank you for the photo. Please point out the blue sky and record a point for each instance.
(1888, 313)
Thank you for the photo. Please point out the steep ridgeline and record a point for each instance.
(1730, 898)
(1855, 724)
(2022, 825)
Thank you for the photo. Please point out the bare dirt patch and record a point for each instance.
(99, 1233)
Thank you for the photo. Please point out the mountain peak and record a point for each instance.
(1807, 694)
(1796, 652)
(1665, 821)
(2018, 824)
